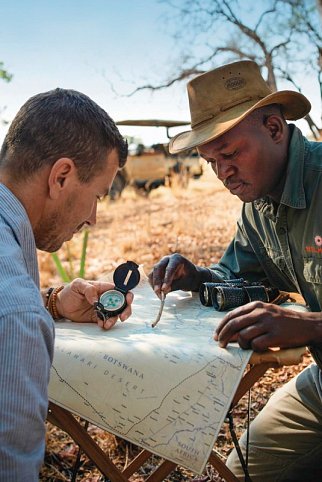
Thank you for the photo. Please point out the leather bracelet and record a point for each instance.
(49, 292)
(52, 308)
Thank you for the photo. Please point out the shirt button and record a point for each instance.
(281, 231)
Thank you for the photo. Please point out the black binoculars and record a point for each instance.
(232, 293)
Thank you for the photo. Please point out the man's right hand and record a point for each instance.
(174, 272)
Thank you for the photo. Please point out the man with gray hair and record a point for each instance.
(239, 127)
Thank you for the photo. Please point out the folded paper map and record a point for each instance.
(166, 389)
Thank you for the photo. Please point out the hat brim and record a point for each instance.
(294, 105)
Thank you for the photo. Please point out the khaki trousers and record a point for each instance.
(286, 437)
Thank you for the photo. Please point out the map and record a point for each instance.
(166, 389)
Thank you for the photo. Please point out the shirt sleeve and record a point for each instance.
(239, 260)
(25, 358)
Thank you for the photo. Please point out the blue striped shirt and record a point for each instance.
(27, 344)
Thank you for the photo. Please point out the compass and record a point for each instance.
(113, 302)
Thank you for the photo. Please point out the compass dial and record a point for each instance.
(112, 300)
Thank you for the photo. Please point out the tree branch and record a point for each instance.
(193, 70)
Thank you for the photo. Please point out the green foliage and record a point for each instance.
(68, 274)
(60, 269)
(4, 74)
(81, 273)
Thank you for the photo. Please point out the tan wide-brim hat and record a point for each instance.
(223, 97)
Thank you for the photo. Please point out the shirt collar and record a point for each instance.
(293, 194)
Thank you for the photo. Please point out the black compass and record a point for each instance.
(113, 302)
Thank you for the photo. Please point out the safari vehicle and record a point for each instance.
(149, 167)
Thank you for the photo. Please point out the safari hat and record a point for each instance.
(223, 97)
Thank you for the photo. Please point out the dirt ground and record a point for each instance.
(198, 222)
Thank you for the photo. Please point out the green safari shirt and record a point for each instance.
(282, 243)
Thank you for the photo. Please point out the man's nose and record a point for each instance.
(222, 170)
(92, 217)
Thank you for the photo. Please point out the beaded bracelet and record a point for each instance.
(52, 308)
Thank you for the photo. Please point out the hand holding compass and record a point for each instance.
(112, 302)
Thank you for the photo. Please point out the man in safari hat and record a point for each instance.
(239, 127)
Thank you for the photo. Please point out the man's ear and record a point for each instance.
(60, 175)
(276, 127)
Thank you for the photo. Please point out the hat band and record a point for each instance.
(240, 101)
(227, 107)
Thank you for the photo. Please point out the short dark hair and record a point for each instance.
(260, 116)
(60, 123)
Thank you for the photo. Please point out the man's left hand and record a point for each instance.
(76, 301)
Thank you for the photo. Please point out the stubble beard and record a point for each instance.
(47, 234)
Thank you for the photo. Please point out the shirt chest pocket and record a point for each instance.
(313, 270)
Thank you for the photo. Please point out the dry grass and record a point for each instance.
(197, 222)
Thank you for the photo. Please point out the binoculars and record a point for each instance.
(232, 293)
